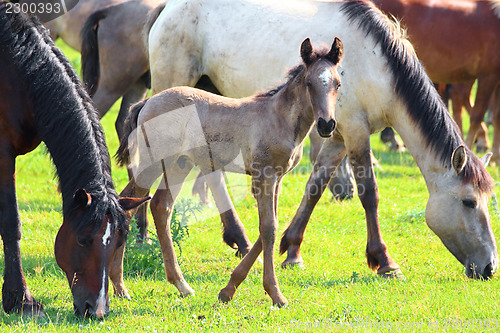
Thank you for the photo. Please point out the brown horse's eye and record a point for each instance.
(84, 241)
(309, 85)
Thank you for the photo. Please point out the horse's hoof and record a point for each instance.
(123, 294)
(223, 297)
(292, 264)
(184, 289)
(391, 274)
(280, 303)
(241, 253)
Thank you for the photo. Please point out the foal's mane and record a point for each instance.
(64, 117)
(294, 73)
(414, 87)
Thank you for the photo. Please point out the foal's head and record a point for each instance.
(85, 255)
(322, 82)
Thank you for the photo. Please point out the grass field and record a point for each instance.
(336, 289)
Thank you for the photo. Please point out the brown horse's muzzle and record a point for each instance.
(325, 129)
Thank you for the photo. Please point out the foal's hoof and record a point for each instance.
(224, 297)
(391, 273)
(123, 294)
(31, 310)
(184, 289)
(240, 253)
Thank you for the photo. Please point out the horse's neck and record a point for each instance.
(428, 161)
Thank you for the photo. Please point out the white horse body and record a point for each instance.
(246, 45)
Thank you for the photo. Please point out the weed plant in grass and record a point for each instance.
(335, 288)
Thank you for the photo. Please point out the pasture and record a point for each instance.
(336, 287)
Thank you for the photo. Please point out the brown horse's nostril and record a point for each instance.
(488, 272)
(325, 128)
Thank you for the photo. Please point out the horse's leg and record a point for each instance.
(331, 154)
(495, 109)
(457, 101)
(16, 297)
(200, 187)
(162, 207)
(116, 263)
(485, 88)
(341, 184)
(388, 135)
(234, 231)
(376, 250)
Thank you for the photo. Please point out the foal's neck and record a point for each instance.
(294, 107)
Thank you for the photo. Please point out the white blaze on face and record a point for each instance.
(326, 77)
(107, 235)
(101, 300)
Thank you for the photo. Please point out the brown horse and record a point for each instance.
(457, 42)
(41, 99)
(182, 127)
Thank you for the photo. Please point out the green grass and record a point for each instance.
(335, 287)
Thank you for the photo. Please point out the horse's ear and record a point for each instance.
(459, 158)
(336, 52)
(486, 159)
(307, 52)
(131, 203)
(82, 198)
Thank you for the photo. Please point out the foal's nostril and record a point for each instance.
(326, 128)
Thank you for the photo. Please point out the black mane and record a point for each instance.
(417, 91)
(64, 117)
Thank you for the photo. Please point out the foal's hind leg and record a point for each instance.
(16, 297)
(331, 153)
(162, 206)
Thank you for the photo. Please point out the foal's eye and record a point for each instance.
(469, 203)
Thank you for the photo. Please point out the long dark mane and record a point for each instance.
(416, 90)
(64, 118)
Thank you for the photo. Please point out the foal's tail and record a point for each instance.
(90, 50)
(123, 153)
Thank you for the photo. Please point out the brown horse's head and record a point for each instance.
(323, 82)
(85, 256)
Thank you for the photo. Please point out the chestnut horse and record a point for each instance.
(462, 47)
(383, 85)
(182, 127)
(41, 99)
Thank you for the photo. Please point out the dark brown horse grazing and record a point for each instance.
(457, 41)
(41, 99)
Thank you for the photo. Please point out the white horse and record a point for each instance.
(239, 44)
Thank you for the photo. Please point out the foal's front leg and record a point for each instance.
(265, 191)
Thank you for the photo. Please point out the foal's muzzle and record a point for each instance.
(325, 128)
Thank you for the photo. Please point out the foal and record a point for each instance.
(182, 127)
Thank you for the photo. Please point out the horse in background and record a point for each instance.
(462, 48)
(42, 99)
(181, 127)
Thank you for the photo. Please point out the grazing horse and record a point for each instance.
(182, 127)
(41, 99)
(383, 85)
(462, 48)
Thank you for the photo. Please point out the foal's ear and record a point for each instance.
(307, 52)
(336, 52)
(82, 198)
(131, 203)
(459, 158)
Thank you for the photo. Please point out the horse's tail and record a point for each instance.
(123, 153)
(152, 16)
(90, 50)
